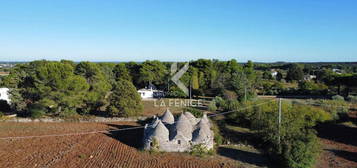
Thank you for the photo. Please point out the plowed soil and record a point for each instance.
(112, 149)
(339, 144)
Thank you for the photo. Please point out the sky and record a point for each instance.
(179, 30)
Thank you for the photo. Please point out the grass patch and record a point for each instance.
(83, 156)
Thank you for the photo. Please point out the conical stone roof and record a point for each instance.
(205, 119)
(183, 127)
(203, 125)
(167, 117)
(161, 132)
(191, 118)
(155, 122)
(189, 115)
(202, 133)
(200, 136)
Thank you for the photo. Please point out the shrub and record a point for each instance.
(298, 147)
(69, 114)
(176, 92)
(37, 111)
(243, 115)
(155, 146)
(230, 105)
(352, 99)
(312, 115)
(197, 113)
(1, 114)
(82, 156)
(4, 106)
(218, 139)
(219, 101)
(199, 150)
(336, 108)
(271, 87)
(212, 106)
(230, 95)
(338, 98)
(302, 153)
(312, 88)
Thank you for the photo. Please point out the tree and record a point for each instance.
(325, 75)
(37, 110)
(107, 70)
(347, 80)
(204, 68)
(55, 86)
(125, 100)
(271, 87)
(233, 67)
(222, 74)
(310, 87)
(267, 75)
(121, 72)
(279, 76)
(298, 146)
(212, 106)
(69, 62)
(213, 77)
(152, 72)
(295, 72)
(249, 68)
(175, 92)
(88, 70)
(134, 71)
(4, 106)
(99, 86)
(244, 83)
(15, 81)
(49, 84)
(194, 79)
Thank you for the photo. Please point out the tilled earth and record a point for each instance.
(339, 144)
(113, 149)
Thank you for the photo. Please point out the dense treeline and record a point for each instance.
(88, 88)
(65, 88)
(347, 67)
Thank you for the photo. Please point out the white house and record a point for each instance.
(274, 74)
(309, 77)
(4, 94)
(336, 70)
(150, 92)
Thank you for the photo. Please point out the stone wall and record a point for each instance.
(94, 119)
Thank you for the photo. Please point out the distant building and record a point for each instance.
(4, 73)
(150, 92)
(338, 71)
(4, 94)
(6, 65)
(309, 77)
(274, 74)
(166, 134)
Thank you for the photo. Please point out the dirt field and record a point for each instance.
(339, 143)
(115, 149)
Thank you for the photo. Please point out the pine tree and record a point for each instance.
(125, 100)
